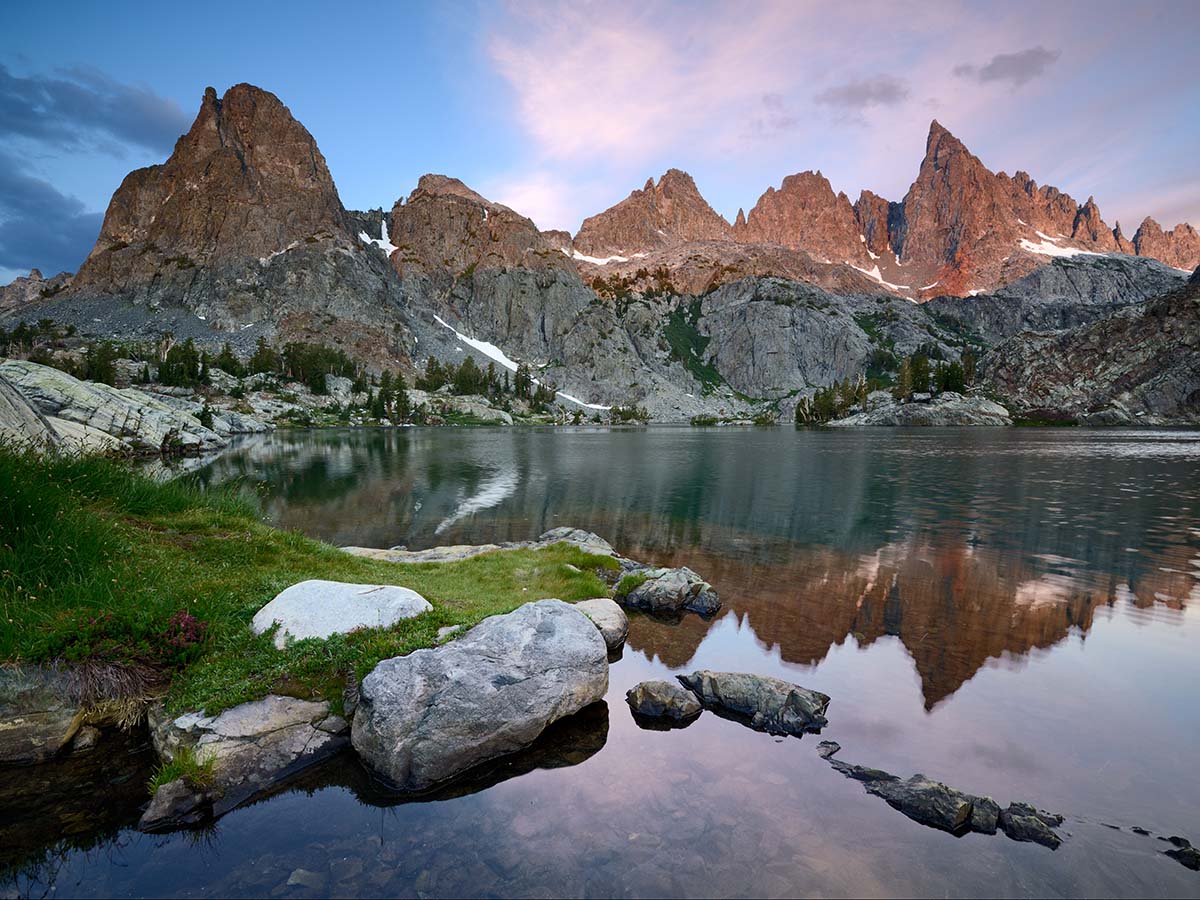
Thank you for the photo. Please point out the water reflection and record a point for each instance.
(1009, 612)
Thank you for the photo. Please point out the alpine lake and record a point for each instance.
(1013, 612)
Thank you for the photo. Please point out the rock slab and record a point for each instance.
(38, 714)
(319, 609)
(253, 747)
(770, 704)
(424, 718)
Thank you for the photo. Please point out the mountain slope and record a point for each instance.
(1140, 365)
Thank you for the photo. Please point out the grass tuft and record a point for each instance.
(196, 773)
(630, 583)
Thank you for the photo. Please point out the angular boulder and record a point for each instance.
(319, 609)
(425, 718)
(663, 699)
(175, 805)
(252, 746)
(670, 592)
(609, 618)
(1024, 822)
(926, 801)
(20, 423)
(770, 704)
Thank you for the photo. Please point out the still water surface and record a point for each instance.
(1012, 612)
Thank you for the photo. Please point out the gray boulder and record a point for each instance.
(175, 805)
(424, 718)
(1023, 822)
(1184, 853)
(609, 618)
(663, 699)
(770, 704)
(671, 591)
(318, 609)
(252, 747)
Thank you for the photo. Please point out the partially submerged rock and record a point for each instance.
(427, 717)
(252, 747)
(174, 805)
(319, 609)
(584, 540)
(1022, 822)
(826, 749)
(1184, 853)
(770, 704)
(609, 618)
(670, 591)
(663, 699)
(939, 806)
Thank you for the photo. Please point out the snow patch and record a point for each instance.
(935, 284)
(595, 260)
(383, 241)
(873, 272)
(1047, 247)
(491, 351)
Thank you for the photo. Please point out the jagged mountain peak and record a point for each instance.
(663, 214)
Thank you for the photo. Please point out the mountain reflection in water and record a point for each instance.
(1009, 611)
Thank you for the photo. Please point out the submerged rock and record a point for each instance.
(319, 609)
(424, 718)
(1184, 853)
(253, 746)
(609, 618)
(663, 699)
(671, 591)
(770, 704)
(1022, 822)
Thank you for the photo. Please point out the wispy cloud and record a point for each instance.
(862, 93)
(82, 107)
(1016, 68)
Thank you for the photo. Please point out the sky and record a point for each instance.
(560, 109)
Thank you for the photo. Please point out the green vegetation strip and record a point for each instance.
(150, 585)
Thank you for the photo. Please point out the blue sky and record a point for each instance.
(560, 109)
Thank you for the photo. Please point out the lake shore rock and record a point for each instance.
(671, 592)
(944, 410)
(425, 718)
(768, 704)
(319, 609)
(609, 618)
(251, 747)
(663, 699)
(39, 713)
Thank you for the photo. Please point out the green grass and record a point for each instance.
(688, 345)
(107, 569)
(196, 773)
(630, 583)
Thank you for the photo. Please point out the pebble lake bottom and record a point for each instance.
(1010, 611)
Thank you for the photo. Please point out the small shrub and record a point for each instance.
(703, 421)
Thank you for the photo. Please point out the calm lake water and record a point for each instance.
(1013, 612)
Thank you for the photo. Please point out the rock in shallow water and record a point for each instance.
(664, 699)
(1022, 822)
(175, 804)
(424, 718)
(671, 591)
(253, 746)
(609, 618)
(319, 609)
(771, 705)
